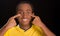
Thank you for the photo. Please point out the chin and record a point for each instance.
(25, 23)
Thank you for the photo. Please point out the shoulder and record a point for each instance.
(37, 27)
(39, 30)
(9, 31)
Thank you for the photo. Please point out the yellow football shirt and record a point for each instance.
(17, 31)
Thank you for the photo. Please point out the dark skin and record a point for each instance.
(24, 16)
(25, 10)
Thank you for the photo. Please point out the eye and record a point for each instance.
(28, 12)
(21, 12)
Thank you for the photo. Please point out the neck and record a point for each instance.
(25, 27)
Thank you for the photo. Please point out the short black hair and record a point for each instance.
(23, 2)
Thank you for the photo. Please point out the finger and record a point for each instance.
(33, 15)
(18, 15)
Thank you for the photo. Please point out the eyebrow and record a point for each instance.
(26, 10)
(19, 10)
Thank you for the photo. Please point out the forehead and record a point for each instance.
(24, 6)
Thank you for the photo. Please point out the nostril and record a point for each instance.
(24, 16)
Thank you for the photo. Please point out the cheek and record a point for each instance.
(29, 17)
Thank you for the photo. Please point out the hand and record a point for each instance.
(11, 22)
(37, 21)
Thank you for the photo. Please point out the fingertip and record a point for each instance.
(34, 15)
(18, 15)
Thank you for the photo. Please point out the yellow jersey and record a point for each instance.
(17, 31)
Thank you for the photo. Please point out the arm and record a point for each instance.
(3, 30)
(37, 21)
(11, 23)
(47, 31)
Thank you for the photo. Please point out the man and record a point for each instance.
(25, 28)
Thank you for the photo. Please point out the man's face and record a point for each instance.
(26, 11)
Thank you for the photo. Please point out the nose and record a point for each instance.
(25, 15)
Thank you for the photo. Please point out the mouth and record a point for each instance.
(25, 19)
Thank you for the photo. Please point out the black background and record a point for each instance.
(43, 8)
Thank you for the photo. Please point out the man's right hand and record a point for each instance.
(11, 22)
